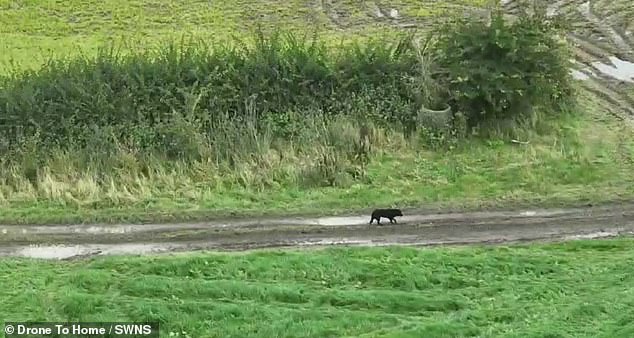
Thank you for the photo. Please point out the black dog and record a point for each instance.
(385, 213)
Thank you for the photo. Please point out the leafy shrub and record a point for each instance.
(503, 70)
(273, 75)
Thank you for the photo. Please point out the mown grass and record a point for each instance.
(574, 289)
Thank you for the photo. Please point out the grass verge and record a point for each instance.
(573, 289)
(585, 157)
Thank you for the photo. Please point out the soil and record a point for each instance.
(488, 227)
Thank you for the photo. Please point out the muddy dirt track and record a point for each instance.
(77, 241)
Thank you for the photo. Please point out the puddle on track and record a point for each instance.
(597, 235)
(620, 69)
(69, 251)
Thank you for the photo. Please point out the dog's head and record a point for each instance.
(399, 213)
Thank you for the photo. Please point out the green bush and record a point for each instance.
(189, 100)
(504, 70)
(67, 99)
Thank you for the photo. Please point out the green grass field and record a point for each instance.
(33, 31)
(576, 289)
